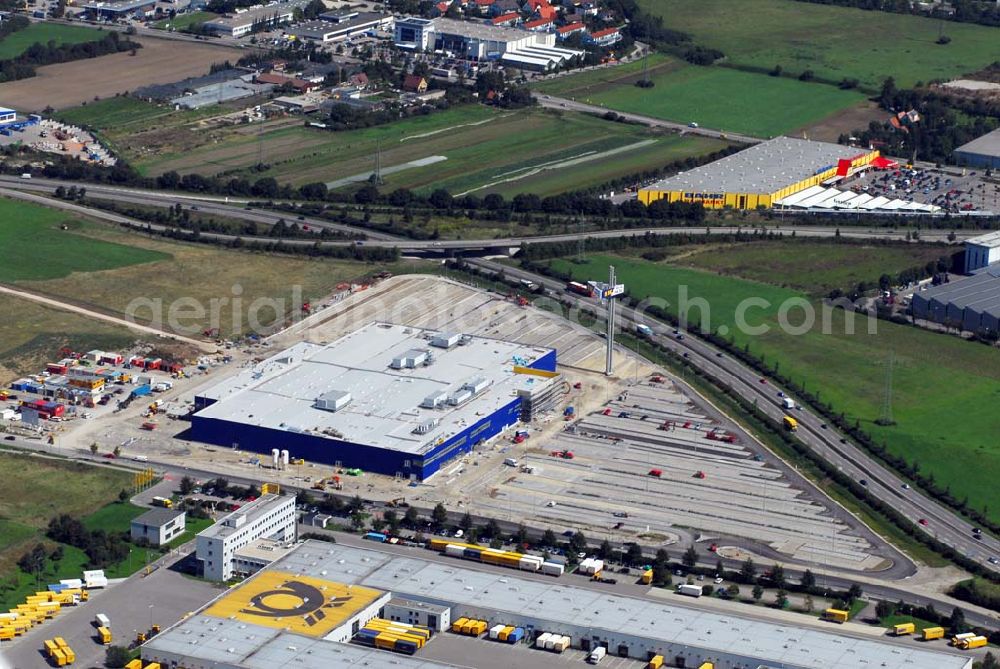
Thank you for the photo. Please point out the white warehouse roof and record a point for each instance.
(559, 605)
(387, 405)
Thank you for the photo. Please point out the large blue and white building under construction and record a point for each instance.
(386, 398)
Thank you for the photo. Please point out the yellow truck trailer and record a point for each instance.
(791, 424)
(655, 662)
(105, 635)
(931, 633)
(902, 629)
(836, 615)
(974, 642)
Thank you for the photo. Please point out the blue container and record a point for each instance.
(404, 646)
(516, 636)
(472, 553)
(376, 536)
(139, 391)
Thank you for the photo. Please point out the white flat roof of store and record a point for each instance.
(384, 408)
(763, 168)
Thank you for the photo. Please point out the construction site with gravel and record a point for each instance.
(635, 457)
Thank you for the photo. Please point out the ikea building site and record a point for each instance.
(419, 392)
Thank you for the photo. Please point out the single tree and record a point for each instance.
(439, 516)
(781, 599)
(690, 557)
(391, 519)
(884, 608)
(93, 448)
(605, 550)
(808, 580)
(116, 657)
(578, 542)
(748, 571)
(549, 539)
(355, 504)
(520, 536)
(807, 604)
(778, 576)
(187, 485)
(854, 592)
(410, 518)
(634, 556)
(956, 624)
(491, 529)
(466, 522)
(757, 592)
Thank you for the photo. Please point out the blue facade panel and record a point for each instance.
(482, 430)
(546, 363)
(369, 458)
(315, 449)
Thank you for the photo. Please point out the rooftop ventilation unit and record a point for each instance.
(411, 359)
(446, 340)
(426, 426)
(435, 400)
(335, 400)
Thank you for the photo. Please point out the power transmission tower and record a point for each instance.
(885, 416)
(581, 245)
(377, 175)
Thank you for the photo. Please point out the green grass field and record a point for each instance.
(14, 45)
(815, 268)
(485, 150)
(37, 489)
(37, 248)
(767, 106)
(944, 389)
(117, 114)
(833, 42)
(184, 21)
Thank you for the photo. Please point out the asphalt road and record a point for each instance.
(830, 444)
(947, 526)
(553, 102)
(238, 208)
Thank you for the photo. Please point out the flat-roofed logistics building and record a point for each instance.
(387, 398)
(336, 26)
(762, 174)
(982, 251)
(981, 152)
(971, 304)
(244, 21)
(321, 594)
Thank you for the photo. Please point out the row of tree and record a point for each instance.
(23, 66)
(965, 11)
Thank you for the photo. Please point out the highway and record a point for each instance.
(834, 447)
(238, 208)
(827, 442)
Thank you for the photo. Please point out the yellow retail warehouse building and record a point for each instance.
(761, 175)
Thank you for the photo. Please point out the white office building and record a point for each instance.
(268, 517)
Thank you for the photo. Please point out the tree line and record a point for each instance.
(963, 11)
(24, 65)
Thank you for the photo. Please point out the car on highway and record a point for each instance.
(922, 521)
(9, 437)
(906, 486)
(764, 381)
(823, 426)
(993, 560)
(863, 481)
(620, 514)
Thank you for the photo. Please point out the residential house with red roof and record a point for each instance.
(509, 19)
(605, 37)
(570, 29)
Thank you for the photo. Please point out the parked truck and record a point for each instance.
(931, 633)
(689, 589)
(164, 502)
(902, 629)
(836, 615)
(597, 655)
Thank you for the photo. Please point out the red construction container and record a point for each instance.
(153, 364)
(56, 368)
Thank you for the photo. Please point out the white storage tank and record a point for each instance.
(285, 458)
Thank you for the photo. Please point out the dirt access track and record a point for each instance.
(159, 61)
